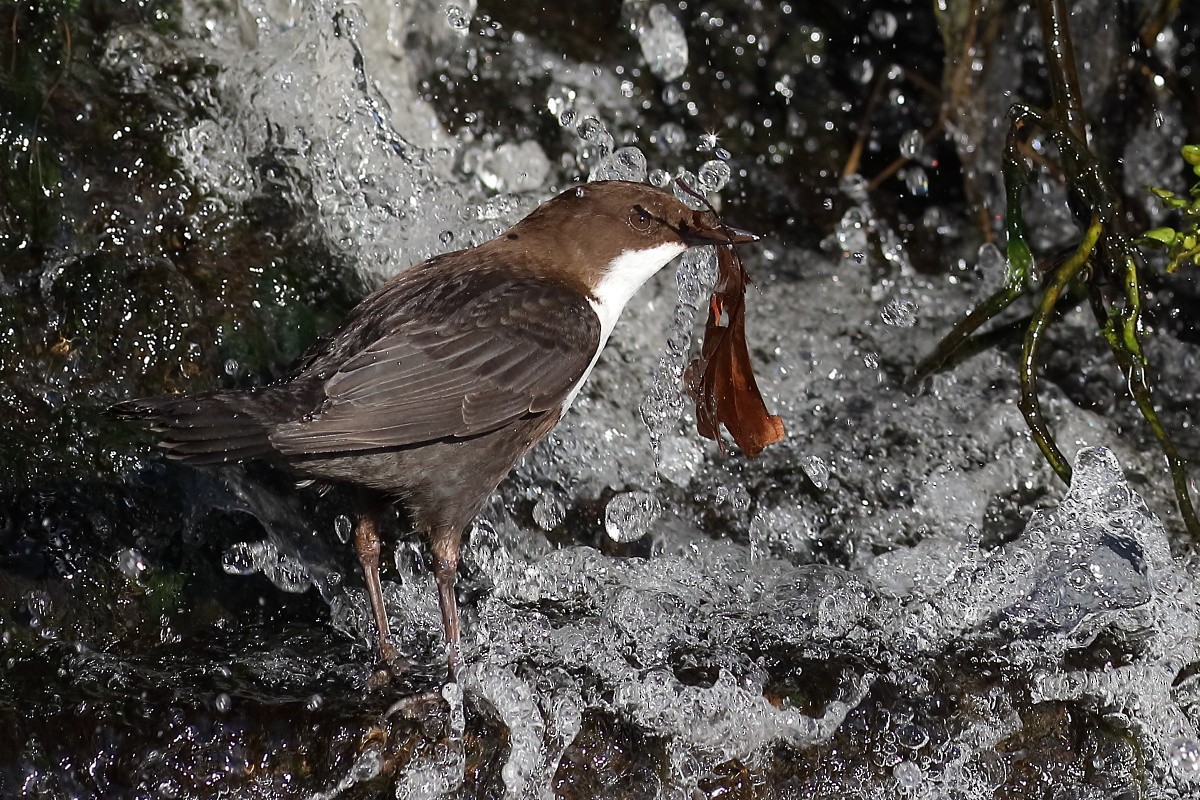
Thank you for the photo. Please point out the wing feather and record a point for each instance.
(480, 362)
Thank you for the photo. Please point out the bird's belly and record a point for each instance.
(441, 483)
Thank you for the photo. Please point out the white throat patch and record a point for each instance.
(626, 274)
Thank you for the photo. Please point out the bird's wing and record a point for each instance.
(516, 349)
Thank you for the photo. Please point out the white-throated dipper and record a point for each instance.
(443, 377)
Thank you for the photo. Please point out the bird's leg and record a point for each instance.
(366, 542)
(446, 544)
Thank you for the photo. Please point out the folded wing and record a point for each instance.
(514, 350)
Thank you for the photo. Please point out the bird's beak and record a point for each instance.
(721, 234)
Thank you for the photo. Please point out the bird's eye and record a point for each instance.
(640, 219)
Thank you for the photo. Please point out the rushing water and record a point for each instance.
(899, 600)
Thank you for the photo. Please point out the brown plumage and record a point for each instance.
(441, 379)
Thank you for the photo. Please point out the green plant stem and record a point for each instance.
(1060, 52)
(1018, 272)
(1120, 331)
(1029, 404)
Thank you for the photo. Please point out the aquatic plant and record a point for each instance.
(1104, 267)
(1183, 242)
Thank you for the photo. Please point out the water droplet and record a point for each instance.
(550, 511)
(592, 131)
(1185, 758)
(817, 471)
(39, 606)
(914, 737)
(862, 71)
(663, 43)
(898, 312)
(625, 164)
(231, 366)
(936, 219)
(916, 180)
(851, 231)
(131, 564)
(857, 188)
(660, 178)
(908, 775)
(990, 262)
(912, 144)
(342, 528)
(368, 766)
(515, 167)
(628, 516)
(446, 237)
(457, 17)
(240, 559)
(713, 176)
(222, 703)
(882, 25)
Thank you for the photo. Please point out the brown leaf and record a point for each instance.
(720, 380)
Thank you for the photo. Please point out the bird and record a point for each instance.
(442, 378)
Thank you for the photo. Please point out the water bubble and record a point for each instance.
(550, 511)
(851, 231)
(1185, 758)
(368, 766)
(625, 164)
(659, 178)
(713, 176)
(687, 198)
(315, 702)
(882, 25)
(660, 408)
(222, 703)
(898, 312)
(131, 564)
(592, 131)
(231, 366)
(912, 145)
(739, 498)
(937, 220)
(915, 180)
(514, 167)
(457, 18)
(857, 188)
(628, 516)
(342, 528)
(671, 136)
(39, 605)
(285, 571)
(862, 71)
(446, 237)
(914, 737)
(663, 43)
(817, 471)
(990, 262)
(908, 775)
(240, 559)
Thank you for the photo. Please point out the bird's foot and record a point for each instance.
(449, 696)
(391, 668)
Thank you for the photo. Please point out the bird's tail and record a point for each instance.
(213, 428)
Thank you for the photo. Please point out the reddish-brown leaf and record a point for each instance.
(720, 380)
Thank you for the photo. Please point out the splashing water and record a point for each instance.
(916, 611)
